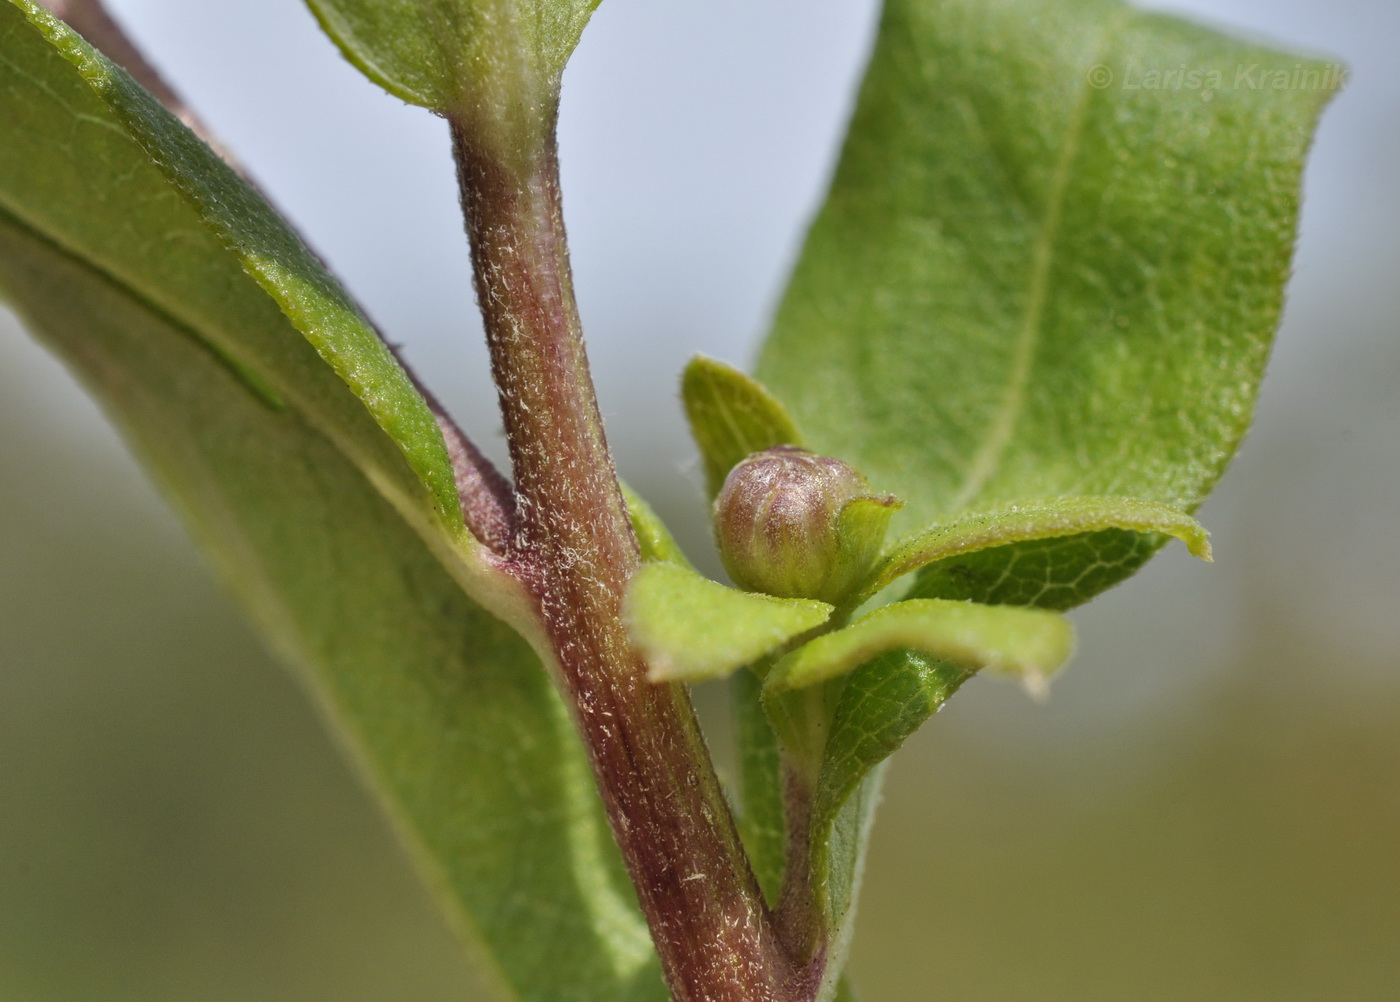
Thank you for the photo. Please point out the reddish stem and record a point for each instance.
(575, 549)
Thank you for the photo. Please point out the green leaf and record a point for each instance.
(1029, 643)
(1042, 519)
(760, 808)
(731, 417)
(345, 543)
(1024, 284)
(883, 702)
(76, 167)
(449, 54)
(691, 629)
(447, 710)
(1058, 573)
(655, 540)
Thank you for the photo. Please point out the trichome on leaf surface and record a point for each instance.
(1022, 341)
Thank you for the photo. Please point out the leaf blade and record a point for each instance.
(1022, 642)
(692, 629)
(442, 53)
(731, 416)
(274, 257)
(1103, 268)
(1040, 519)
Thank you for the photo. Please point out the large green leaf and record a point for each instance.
(76, 166)
(1037, 275)
(316, 479)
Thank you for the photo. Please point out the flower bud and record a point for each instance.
(797, 525)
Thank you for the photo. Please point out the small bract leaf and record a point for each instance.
(691, 629)
(864, 522)
(1047, 518)
(655, 540)
(731, 417)
(1022, 642)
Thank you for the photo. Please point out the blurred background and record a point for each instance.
(1208, 808)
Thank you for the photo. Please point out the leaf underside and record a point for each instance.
(1049, 553)
(437, 53)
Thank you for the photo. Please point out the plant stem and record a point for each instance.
(575, 550)
(798, 916)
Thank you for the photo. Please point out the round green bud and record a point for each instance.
(797, 525)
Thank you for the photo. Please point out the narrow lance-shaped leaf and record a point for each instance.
(196, 242)
(1031, 280)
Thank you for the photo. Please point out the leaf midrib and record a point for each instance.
(250, 380)
(1003, 425)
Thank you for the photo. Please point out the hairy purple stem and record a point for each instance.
(575, 548)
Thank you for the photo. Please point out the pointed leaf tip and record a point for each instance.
(731, 416)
